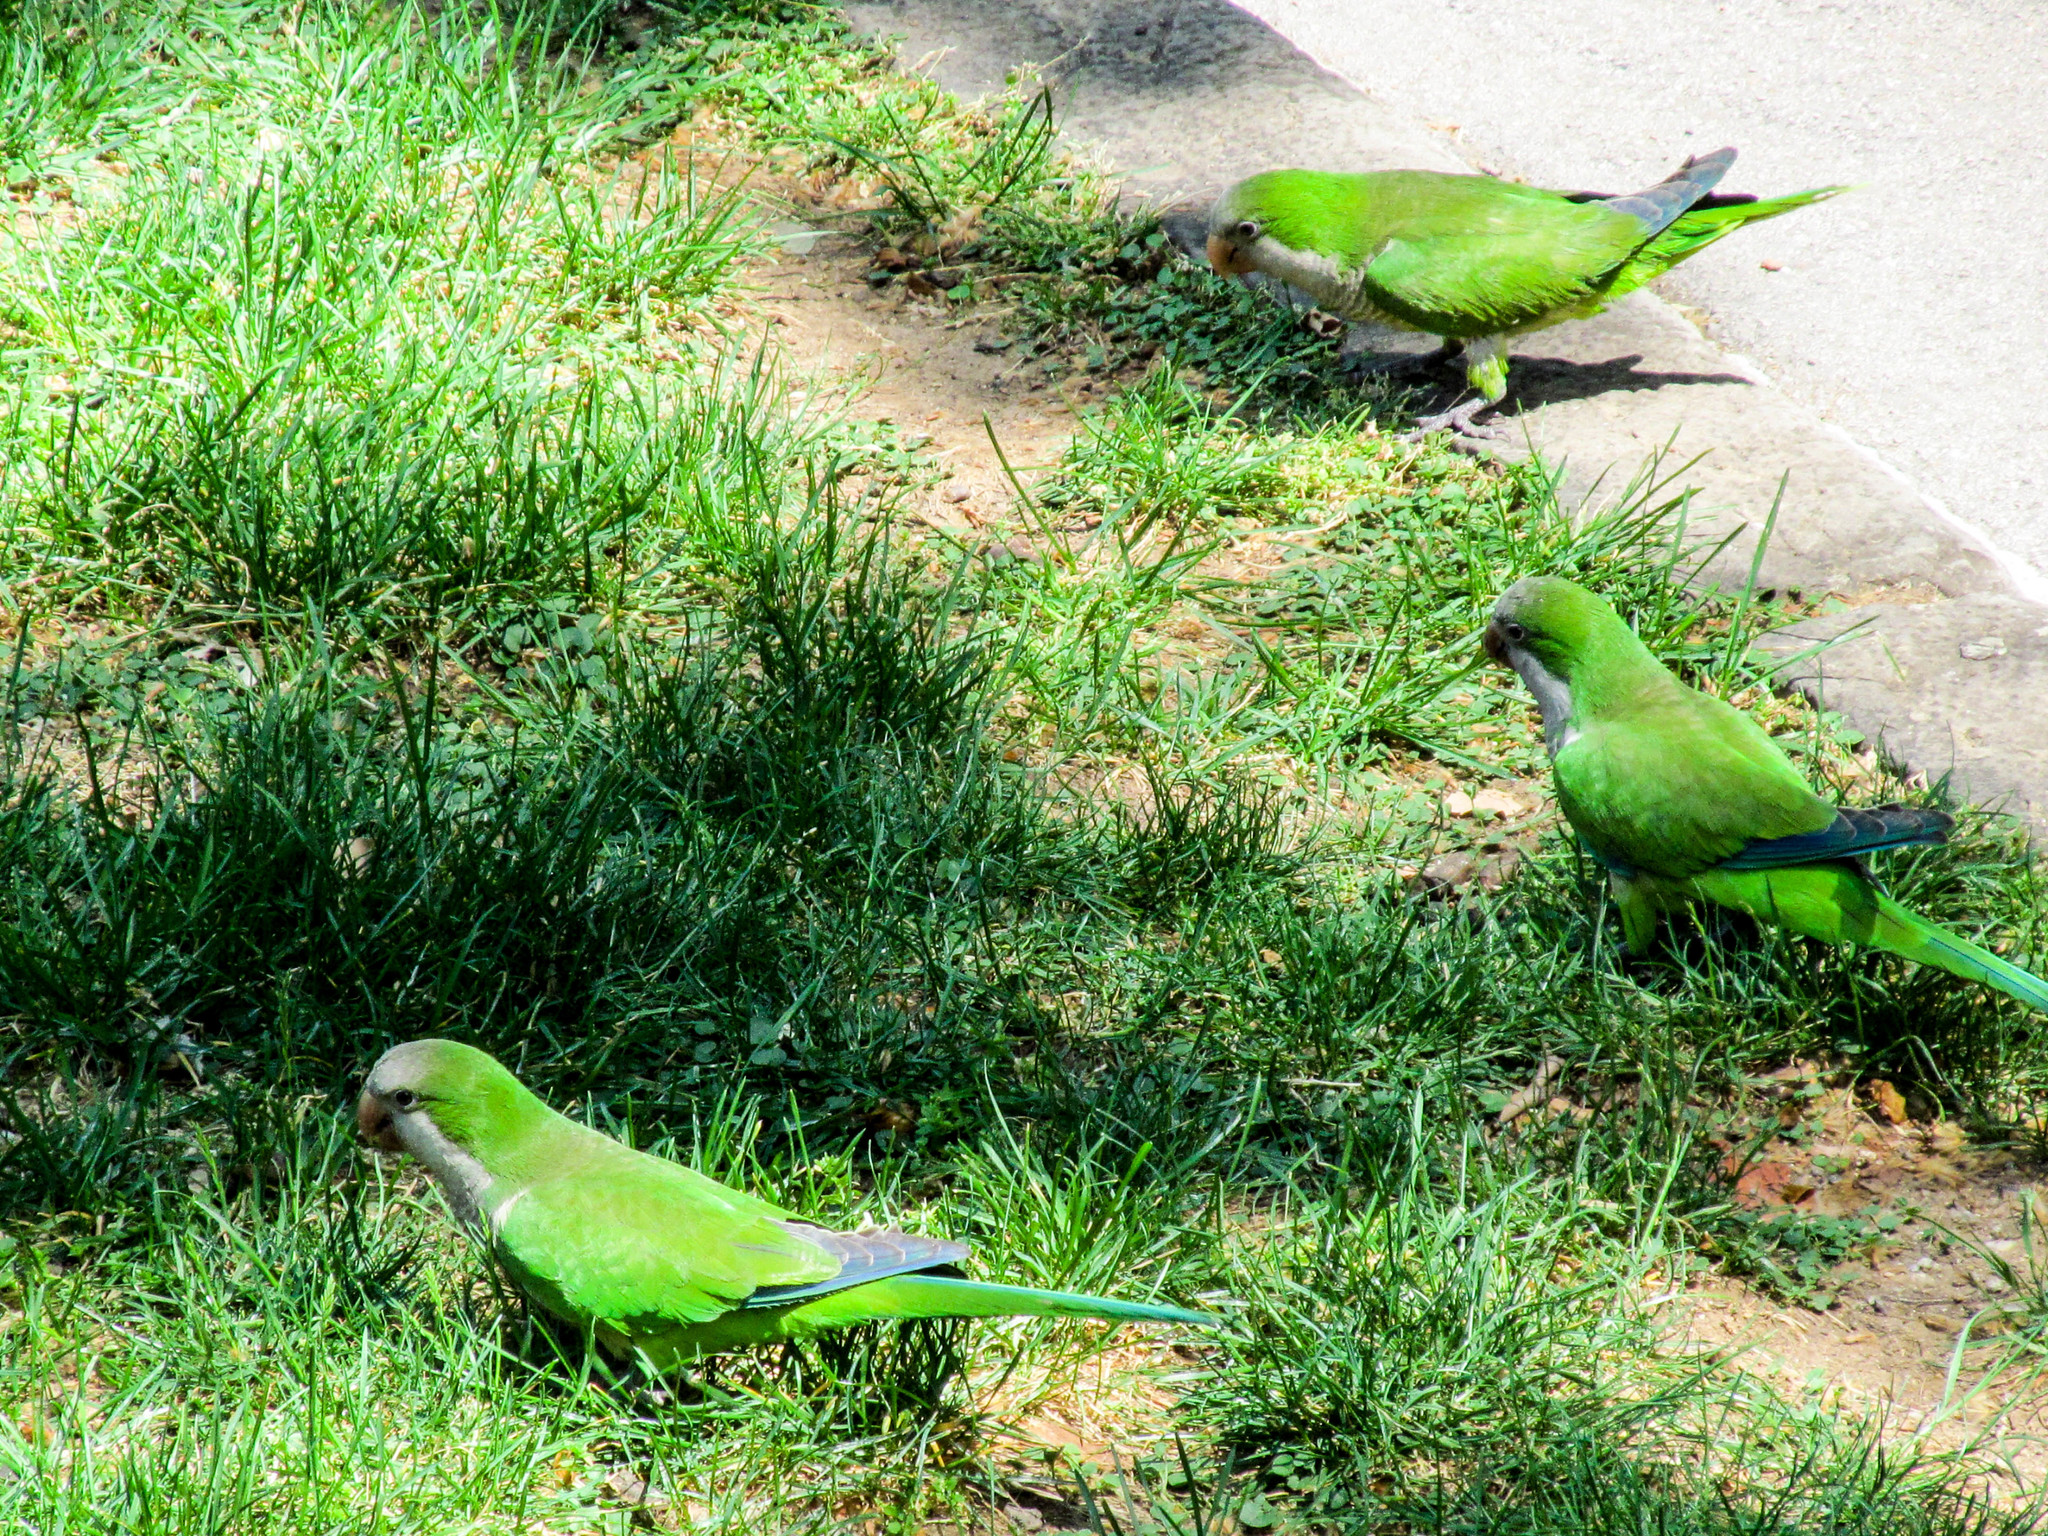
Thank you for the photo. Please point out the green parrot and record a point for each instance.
(647, 1255)
(1471, 259)
(1681, 796)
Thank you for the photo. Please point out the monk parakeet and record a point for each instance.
(647, 1255)
(1682, 796)
(1471, 259)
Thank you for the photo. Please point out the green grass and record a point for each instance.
(428, 613)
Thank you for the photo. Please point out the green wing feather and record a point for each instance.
(1470, 256)
(901, 1296)
(945, 1296)
(1492, 257)
(1678, 783)
(1494, 281)
(643, 1246)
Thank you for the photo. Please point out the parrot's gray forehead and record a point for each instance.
(401, 1064)
(1522, 594)
(1226, 210)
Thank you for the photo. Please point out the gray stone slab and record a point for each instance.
(1952, 685)
(1181, 97)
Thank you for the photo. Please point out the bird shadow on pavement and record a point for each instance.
(1539, 381)
(1532, 382)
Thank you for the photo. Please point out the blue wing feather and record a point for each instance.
(1659, 206)
(864, 1257)
(1850, 834)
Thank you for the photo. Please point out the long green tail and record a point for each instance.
(1696, 229)
(1936, 945)
(1838, 903)
(899, 1296)
(943, 1296)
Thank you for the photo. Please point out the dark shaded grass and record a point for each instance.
(789, 852)
(754, 884)
(804, 779)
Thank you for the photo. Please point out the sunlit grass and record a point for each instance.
(428, 614)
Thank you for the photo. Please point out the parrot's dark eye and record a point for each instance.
(405, 1098)
(1515, 632)
(1248, 230)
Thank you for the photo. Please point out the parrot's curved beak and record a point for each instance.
(1225, 259)
(1495, 644)
(373, 1120)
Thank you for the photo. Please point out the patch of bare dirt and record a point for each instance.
(900, 352)
(914, 362)
(1925, 1334)
(1080, 1425)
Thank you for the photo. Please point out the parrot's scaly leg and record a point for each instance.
(1638, 915)
(1486, 370)
(1486, 366)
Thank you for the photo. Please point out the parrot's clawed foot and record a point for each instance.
(1459, 419)
(1467, 437)
(650, 1392)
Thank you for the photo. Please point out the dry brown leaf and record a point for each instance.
(1459, 802)
(1500, 869)
(893, 1116)
(1889, 1101)
(1939, 1170)
(651, 1510)
(1767, 1184)
(1447, 872)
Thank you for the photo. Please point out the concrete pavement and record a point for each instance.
(1183, 96)
(1913, 314)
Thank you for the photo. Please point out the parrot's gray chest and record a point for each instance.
(462, 1178)
(1333, 287)
(1553, 697)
